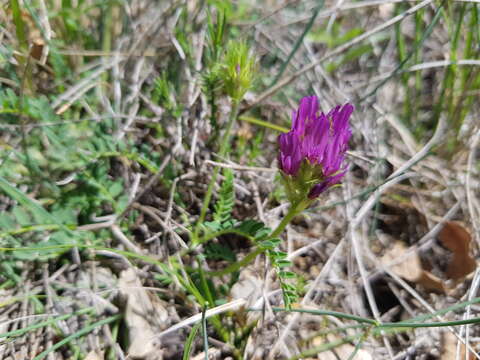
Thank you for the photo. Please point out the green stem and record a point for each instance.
(237, 265)
(222, 152)
(401, 325)
(338, 315)
(210, 300)
(204, 333)
(294, 210)
(211, 236)
(266, 124)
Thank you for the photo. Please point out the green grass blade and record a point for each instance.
(40, 214)
(298, 42)
(358, 346)
(76, 335)
(188, 344)
(19, 24)
(397, 70)
(41, 324)
(265, 124)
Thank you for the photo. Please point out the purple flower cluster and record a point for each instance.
(316, 141)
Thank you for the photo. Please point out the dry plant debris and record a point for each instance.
(344, 351)
(452, 350)
(145, 316)
(111, 122)
(407, 264)
(458, 240)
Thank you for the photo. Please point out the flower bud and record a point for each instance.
(239, 70)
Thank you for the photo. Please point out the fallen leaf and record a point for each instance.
(449, 348)
(457, 239)
(145, 316)
(409, 268)
(431, 282)
(406, 264)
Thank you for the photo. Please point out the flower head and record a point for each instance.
(238, 70)
(312, 153)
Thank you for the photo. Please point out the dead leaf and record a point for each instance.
(449, 348)
(407, 265)
(431, 282)
(36, 49)
(145, 316)
(457, 239)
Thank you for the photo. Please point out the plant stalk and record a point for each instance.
(294, 210)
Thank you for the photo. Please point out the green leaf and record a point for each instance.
(283, 263)
(212, 226)
(262, 233)
(289, 288)
(21, 216)
(39, 213)
(188, 344)
(45, 250)
(287, 274)
(115, 189)
(279, 255)
(252, 227)
(6, 221)
(270, 244)
(216, 251)
(226, 199)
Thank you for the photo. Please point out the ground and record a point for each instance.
(118, 120)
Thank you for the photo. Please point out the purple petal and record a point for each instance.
(306, 113)
(320, 138)
(317, 190)
(290, 153)
(324, 185)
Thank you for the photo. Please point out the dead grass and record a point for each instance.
(403, 185)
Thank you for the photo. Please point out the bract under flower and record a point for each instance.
(312, 153)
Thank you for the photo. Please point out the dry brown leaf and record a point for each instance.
(457, 239)
(410, 267)
(431, 282)
(145, 316)
(449, 348)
